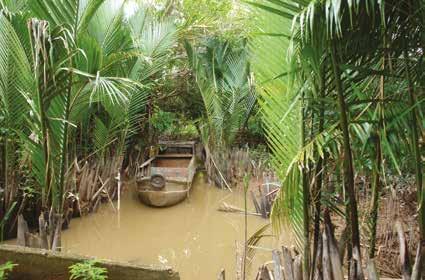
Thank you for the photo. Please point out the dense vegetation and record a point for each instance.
(347, 100)
(335, 88)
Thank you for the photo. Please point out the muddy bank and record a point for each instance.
(37, 264)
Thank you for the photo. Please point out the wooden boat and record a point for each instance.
(166, 179)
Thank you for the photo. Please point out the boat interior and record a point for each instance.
(171, 161)
(174, 160)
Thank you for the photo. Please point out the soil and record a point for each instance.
(397, 203)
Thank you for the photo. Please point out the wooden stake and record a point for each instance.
(404, 252)
(372, 274)
(277, 264)
(222, 275)
(119, 190)
(287, 264)
(22, 230)
(42, 228)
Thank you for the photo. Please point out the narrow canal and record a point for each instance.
(193, 237)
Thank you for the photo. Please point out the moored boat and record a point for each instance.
(166, 178)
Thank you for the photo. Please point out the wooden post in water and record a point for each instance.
(372, 273)
(277, 260)
(222, 275)
(42, 228)
(288, 271)
(22, 231)
(263, 274)
(119, 189)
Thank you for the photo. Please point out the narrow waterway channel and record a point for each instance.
(192, 237)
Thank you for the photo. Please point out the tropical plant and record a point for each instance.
(14, 78)
(222, 73)
(226, 19)
(351, 78)
(87, 271)
(282, 116)
(162, 121)
(75, 82)
(5, 269)
(5, 219)
(62, 84)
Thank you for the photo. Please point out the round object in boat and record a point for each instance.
(157, 181)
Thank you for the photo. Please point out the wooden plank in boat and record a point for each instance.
(177, 144)
(175, 156)
(146, 163)
(170, 172)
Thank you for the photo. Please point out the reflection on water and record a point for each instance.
(192, 237)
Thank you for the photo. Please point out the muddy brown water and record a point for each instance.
(192, 237)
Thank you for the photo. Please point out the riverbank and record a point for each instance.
(36, 264)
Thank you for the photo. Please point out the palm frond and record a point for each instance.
(154, 40)
(13, 6)
(101, 135)
(117, 37)
(74, 15)
(281, 109)
(57, 13)
(88, 9)
(15, 76)
(115, 90)
(223, 78)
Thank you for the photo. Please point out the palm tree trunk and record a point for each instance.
(376, 190)
(415, 136)
(64, 147)
(306, 198)
(39, 27)
(9, 184)
(348, 161)
(2, 178)
(377, 169)
(418, 161)
(319, 173)
(43, 119)
(3, 168)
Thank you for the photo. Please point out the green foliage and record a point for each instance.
(72, 82)
(5, 269)
(223, 76)
(281, 109)
(163, 122)
(14, 79)
(222, 73)
(87, 271)
(172, 125)
(225, 18)
(339, 81)
(5, 219)
(255, 126)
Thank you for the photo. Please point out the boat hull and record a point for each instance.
(166, 179)
(172, 194)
